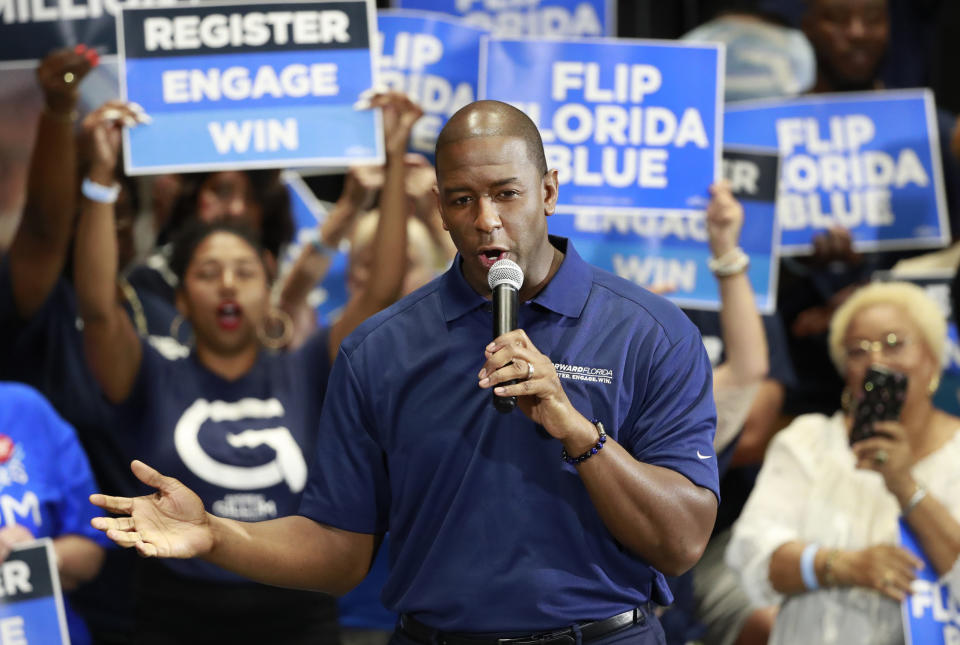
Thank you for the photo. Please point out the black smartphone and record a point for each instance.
(880, 399)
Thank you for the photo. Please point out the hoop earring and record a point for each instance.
(846, 400)
(175, 326)
(934, 385)
(276, 317)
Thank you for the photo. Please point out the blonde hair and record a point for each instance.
(923, 310)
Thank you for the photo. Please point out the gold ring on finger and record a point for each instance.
(69, 77)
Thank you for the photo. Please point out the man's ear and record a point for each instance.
(551, 188)
(436, 195)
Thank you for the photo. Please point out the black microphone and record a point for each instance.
(505, 278)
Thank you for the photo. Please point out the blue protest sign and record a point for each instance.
(31, 604)
(931, 614)
(631, 126)
(433, 58)
(308, 214)
(669, 248)
(869, 162)
(558, 18)
(242, 85)
(752, 175)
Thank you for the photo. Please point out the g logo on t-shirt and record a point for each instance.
(288, 466)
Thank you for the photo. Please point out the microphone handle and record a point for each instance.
(504, 320)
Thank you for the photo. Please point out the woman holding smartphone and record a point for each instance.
(820, 531)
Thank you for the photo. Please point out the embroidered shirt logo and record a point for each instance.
(583, 373)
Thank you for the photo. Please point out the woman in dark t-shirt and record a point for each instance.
(232, 420)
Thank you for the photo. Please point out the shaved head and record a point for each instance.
(493, 119)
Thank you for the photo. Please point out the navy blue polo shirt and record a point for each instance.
(490, 530)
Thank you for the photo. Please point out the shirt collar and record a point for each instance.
(565, 294)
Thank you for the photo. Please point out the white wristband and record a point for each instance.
(807, 570)
(98, 192)
(730, 263)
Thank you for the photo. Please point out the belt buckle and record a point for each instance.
(550, 638)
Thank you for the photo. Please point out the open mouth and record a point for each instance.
(488, 257)
(229, 315)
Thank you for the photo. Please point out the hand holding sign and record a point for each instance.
(59, 75)
(399, 115)
(170, 523)
(11, 536)
(885, 568)
(834, 245)
(724, 219)
(101, 133)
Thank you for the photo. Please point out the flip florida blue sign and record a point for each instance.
(435, 59)
(244, 85)
(630, 125)
(869, 162)
(931, 614)
(563, 18)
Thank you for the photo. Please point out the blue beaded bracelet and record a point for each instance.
(576, 461)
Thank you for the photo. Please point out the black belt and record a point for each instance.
(588, 632)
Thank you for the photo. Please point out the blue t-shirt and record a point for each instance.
(243, 446)
(490, 530)
(45, 480)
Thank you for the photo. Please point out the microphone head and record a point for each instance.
(505, 272)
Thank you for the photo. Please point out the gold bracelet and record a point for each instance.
(829, 579)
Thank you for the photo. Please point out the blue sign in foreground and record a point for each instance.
(931, 615)
(433, 58)
(631, 126)
(31, 605)
(869, 162)
(248, 85)
(566, 18)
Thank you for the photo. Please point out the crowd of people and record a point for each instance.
(708, 493)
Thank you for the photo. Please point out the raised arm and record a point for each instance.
(287, 552)
(744, 339)
(111, 344)
(390, 241)
(39, 248)
(359, 190)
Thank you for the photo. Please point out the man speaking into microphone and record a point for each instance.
(553, 523)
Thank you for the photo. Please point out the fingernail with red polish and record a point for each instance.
(80, 48)
(93, 57)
